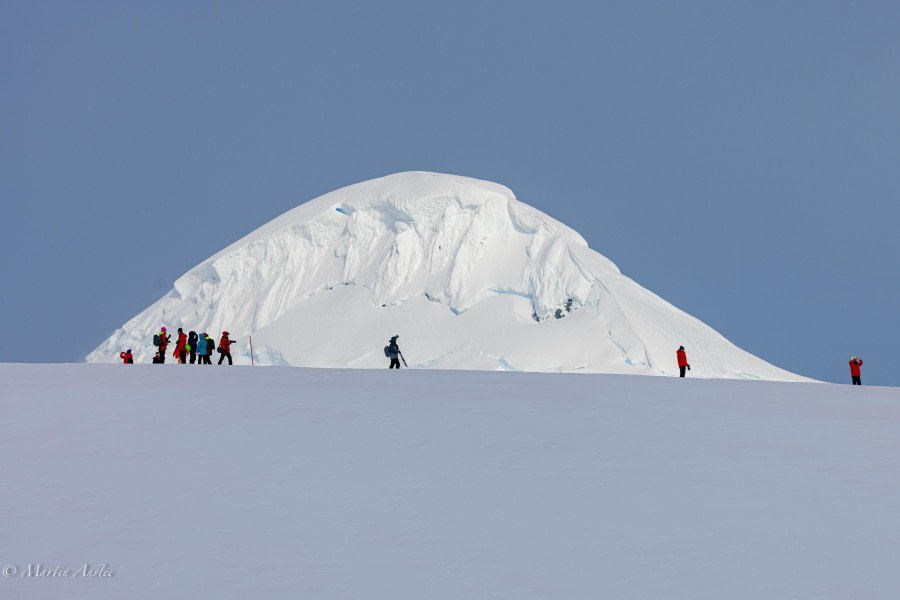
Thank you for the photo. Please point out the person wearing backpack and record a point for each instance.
(127, 357)
(162, 341)
(192, 345)
(394, 353)
(210, 346)
(225, 348)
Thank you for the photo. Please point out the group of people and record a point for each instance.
(198, 347)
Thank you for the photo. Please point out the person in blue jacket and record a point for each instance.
(202, 344)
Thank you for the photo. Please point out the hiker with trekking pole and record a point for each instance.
(392, 351)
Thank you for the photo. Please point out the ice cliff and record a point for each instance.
(469, 277)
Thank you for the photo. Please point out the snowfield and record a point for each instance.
(235, 483)
(469, 276)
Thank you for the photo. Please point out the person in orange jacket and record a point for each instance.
(855, 364)
(225, 348)
(181, 347)
(127, 357)
(682, 360)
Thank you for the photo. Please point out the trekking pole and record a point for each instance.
(251, 351)
(403, 359)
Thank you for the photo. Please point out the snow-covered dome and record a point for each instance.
(467, 275)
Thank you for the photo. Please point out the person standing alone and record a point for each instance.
(682, 360)
(225, 348)
(394, 352)
(855, 364)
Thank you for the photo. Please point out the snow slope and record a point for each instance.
(469, 277)
(235, 483)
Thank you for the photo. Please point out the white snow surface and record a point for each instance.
(236, 482)
(467, 275)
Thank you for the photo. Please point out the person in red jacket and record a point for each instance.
(855, 364)
(181, 347)
(127, 357)
(225, 348)
(682, 360)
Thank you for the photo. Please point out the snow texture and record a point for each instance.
(468, 276)
(235, 483)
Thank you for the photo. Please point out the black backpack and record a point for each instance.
(156, 339)
(387, 351)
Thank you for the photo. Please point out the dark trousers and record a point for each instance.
(395, 362)
(206, 360)
(856, 380)
(193, 356)
(183, 356)
(222, 357)
(683, 369)
(162, 355)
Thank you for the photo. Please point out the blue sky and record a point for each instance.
(738, 159)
